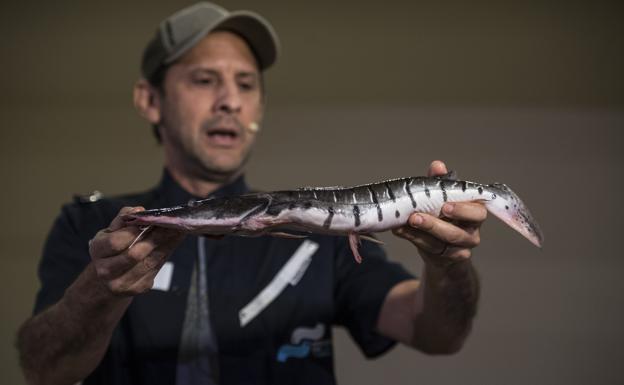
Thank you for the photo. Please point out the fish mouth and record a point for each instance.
(134, 220)
(146, 216)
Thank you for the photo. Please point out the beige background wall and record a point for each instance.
(527, 93)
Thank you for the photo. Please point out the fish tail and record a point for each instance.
(508, 207)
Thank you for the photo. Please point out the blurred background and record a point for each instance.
(527, 93)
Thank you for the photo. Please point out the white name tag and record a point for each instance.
(290, 273)
(162, 281)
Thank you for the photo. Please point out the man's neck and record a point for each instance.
(197, 187)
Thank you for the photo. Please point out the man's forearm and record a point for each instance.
(449, 298)
(64, 343)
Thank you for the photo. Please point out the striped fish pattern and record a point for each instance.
(353, 211)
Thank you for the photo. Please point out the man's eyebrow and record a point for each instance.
(214, 72)
(247, 74)
(200, 70)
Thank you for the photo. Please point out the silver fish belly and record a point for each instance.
(352, 211)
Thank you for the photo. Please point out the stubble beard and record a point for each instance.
(209, 171)
(196, 161)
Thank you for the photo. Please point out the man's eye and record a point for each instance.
(247, 86)
(203, 81)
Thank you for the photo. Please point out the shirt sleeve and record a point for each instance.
(360, 290)
(65, 256)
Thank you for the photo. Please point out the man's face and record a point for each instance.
(210, 98)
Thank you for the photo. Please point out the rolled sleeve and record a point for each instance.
(360, 291)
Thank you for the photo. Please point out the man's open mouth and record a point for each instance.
(224, 137)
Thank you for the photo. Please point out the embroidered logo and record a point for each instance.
(306, 342)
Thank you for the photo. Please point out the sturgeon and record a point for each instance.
(354, 211)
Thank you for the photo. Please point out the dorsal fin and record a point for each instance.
(451, 175)
(321, 188)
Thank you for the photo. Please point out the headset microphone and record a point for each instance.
(253, 127)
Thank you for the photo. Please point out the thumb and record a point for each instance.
(119, 222)
(437, 167)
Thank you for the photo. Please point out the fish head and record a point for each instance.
(208, 216)
(507, 206)
(177, 217)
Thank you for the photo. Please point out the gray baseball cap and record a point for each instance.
(181, 31)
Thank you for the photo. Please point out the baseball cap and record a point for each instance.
(181, 31)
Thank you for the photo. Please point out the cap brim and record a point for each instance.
(252, 27)
(257, 32)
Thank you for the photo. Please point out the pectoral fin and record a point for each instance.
(354, 242)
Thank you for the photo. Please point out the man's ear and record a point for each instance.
(147, 101)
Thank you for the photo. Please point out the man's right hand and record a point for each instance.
(125, 270)
(66, 342)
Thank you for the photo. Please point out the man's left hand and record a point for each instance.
(450, 238)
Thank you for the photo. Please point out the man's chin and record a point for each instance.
(223, 170)
(221, 173)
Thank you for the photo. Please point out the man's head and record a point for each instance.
(202, 90)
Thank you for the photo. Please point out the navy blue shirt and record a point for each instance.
(288, 342)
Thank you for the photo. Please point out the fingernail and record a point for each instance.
(448, 208)
(417, 221)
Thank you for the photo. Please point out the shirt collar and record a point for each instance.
(174, 194)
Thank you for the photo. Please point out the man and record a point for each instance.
(188, 310)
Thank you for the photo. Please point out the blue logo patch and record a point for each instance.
(306, 342)
(295, 351)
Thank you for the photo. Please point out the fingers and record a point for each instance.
(421, 239)
(448, 239)
(119, 263)
(445, 231)
(116, 237)
(131, 270)
(118, 222)
(433, 250)
(106, 244)
(156, 247)
(444, 241)
(469, 212)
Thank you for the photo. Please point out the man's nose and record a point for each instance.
(228, 100)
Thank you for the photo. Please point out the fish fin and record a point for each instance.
(451, 175)
(354, 242)
(371, 238)
(321, 188)
(282, 234)
(256, 209)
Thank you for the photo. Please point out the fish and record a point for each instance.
(356, 212)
